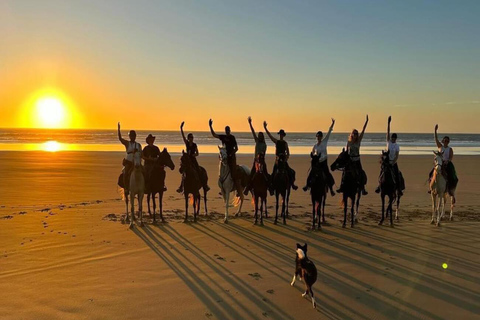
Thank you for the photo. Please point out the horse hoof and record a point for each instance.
(141, 224)
(344, 225)
(451, 218)
(261, 223)
(275, 222)
(353, 225)
(380, 223)
(391, 225)
(438, 224)
(225, 221)
(432, 222)
(304, 294)
(185, 220)
(131, 225)
(284, 223)
(356, 220)
(255, 223)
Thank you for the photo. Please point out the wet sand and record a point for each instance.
(65, 254)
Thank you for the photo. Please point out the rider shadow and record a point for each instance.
(364, 265)
(428, 290)
(327, 310)
(334, 283)
(246, 290)
(202, 291)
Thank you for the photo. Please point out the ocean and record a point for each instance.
(300, 143)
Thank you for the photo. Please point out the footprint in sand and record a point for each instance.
(271, 291)
(45, 209)
(7, 217)
(22, 212)
(255, 276)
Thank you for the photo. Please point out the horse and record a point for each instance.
(352, 188)
(226, 183)
(136, 186)
(260, 183)
(318, 191)
(388, 187)
(191, 185)
(157, 182)
(282, 185)
(438, 189)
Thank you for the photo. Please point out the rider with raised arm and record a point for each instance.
(447, 166)
(192, 152)
(320, 148)
(260, 149)
(230, 144)
(134, 153)
(281, 150)
(393, 153)
(353, 149)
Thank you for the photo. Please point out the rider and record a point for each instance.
(134, 153)
(281, 149)
(192, 151)
(230, 143)
(320, 148)
(393, 152)
(260, 148)
(353, 149)
(150, 154)
(447, 166)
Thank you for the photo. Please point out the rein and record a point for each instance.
(223, 179)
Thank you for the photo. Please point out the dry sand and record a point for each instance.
(64, 253)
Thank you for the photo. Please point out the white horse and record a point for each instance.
(438, 188)
(136, 187)
(226, 183)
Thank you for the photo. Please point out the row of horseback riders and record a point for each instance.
(282, 152)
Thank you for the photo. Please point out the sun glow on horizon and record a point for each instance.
(51, 146)
(49, 109)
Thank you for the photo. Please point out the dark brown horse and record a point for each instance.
(156, 182)
(388, 187)
(194, 180)
(259, 183)
(282, 185)
(318, 191)
(352, 188)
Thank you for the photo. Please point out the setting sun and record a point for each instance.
(49, 108)
(50, 112)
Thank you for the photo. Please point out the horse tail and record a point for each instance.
(190, 199)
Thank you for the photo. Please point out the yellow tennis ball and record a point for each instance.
(445, 266)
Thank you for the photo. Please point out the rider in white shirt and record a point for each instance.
(394, 151)
(134, 153)
(320, 148)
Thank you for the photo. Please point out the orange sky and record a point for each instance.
(152, 68)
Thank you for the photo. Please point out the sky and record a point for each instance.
(295, 64)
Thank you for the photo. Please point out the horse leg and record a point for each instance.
(353, 212)
(132, 209)
(196, 207)
(125, 195)
(256, 208)
(319, 214)
(226, 197)
(390, 209)
(265, 202)
(313, 212)
(452, 204)
(154, 205)
(287, 201)
(357, 205)
(284, 196)
(262, 200)
(434, 207)
(398, 208)
(186, 206)
(345, 206)
(160, 205)
(241, 204)
(276, 207)
(148, 205)
(383, 209)
(140, 207)
(205, 201)
(324, 201)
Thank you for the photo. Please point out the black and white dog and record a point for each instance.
(304, 268)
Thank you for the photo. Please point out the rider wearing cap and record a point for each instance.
(134, 154)
(320, 148)
(281, 150)
(150, 154)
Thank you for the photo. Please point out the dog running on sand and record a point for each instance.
(306, 270)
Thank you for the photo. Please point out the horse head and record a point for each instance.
(315, 162)
(259, 162)
(342, 161)
(185, 162)
(438, 158)
(281, 162)
(385, 159)
(223, 155)
(165, 159)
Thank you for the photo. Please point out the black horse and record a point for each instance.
(318, 191)
(282, 185)
(259, 183)
(388, 187)
(352, 188)
(194, 180)
(156, 182)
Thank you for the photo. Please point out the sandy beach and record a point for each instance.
(64, 253)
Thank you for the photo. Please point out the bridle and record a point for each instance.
(223, 161)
